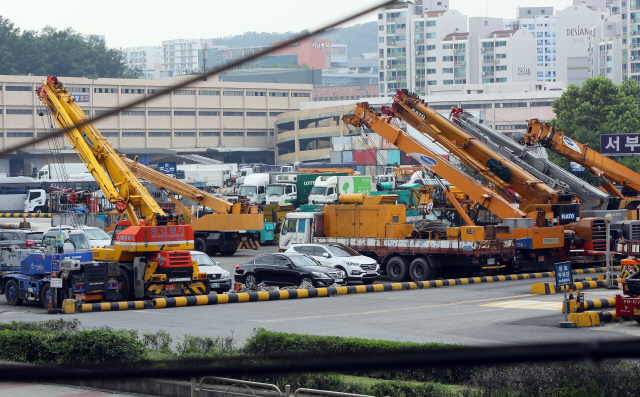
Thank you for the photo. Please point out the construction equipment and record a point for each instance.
(220, 232)
(591, 198)
(152, 254)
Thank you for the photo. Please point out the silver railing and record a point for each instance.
(243, 389)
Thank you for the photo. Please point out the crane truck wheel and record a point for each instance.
(124, 286)
(11, 293)
(397, 268)
(200, 244)
(228, 252)
(421, 270)
(47, 295)
(229, 183)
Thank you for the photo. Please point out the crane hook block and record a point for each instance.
(121, 206)
(500, 170)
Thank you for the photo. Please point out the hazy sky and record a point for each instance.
(135, 22)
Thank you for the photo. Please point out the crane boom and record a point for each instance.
(503, 173)
(119, 184)
(366, 116)
(553, 175)
(545, 135)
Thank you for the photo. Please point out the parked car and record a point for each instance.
(97, 237)
(21, 238)
(286, 269)
(219, 278)
(77, 238)
(357, 267)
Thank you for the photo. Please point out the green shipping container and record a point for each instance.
(305, 182)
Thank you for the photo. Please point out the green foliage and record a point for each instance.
(58, 52)
(598, 107)
(49, 326)
(196, 346)
(160, 340)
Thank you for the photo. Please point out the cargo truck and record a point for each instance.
(301, 185)
(213, 175)
(62, 171)
(381, 232)
(254, 188)
(326, 189)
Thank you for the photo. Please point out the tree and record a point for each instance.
(598, 107)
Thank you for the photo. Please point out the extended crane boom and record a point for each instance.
(500, 171)
(364, 115)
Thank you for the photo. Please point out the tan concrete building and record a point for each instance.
(212, 116)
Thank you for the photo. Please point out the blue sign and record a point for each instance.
(55, 263)
(620, 144)
(564, 274)
(167, 168)
(525, 243)
(567, 217)
(428, 161)
(80, 97)
(575, 167)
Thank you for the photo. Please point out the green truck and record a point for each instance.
(294, 188)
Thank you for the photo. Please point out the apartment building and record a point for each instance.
(188, 56)
(148, 59)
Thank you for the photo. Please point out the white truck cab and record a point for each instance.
(254, 188)
(324, 191)
(297, 228)
(35, 201)
(242, 174)
(283, 191)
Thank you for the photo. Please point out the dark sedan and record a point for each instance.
(286, 269)
(21, 238)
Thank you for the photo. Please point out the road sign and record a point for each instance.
(575, 167)
(56, 283)
(167, 168)
(620, 144)
(564, 274)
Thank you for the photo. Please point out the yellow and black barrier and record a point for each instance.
(249, 245)
(25, 215)
(601, 303)
(591, 270)
(70, 306)
(600, 277)
(550, 288)
(590, 319)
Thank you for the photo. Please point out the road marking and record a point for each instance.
(479, 311)
(387, 311)
(556, 306)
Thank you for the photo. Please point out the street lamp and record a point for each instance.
(608, 218)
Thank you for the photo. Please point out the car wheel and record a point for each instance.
(124, 286)
(200, 244)
(397, 268)
(39, 210)
(305, 282)
(11, 293)
(345, 275)
(229, 183)
(420, 270)
(250, 281)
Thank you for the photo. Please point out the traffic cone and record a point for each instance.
(51, 310)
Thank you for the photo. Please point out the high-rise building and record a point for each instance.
(187, 56)
(148, 59)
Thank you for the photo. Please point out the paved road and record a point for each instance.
(475, 314)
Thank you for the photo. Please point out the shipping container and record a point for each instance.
(382, 157)
(407, 160)
(364, 157)
(360, 169)
(394, 157)
(341, 143)
(347, 156)
(366, 142)
(388, 145)
(336, 157)
(370, 170)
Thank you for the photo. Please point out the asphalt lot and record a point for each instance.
(475, 314)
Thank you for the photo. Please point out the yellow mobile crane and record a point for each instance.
(152, 254)
(214, 233)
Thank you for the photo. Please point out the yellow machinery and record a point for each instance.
(149, 252)
(220, 232)
(314, 170)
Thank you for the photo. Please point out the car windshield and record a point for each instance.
(321, 190)
(97, 234)
(275, 190)
(248, 190)
(35, 236)
(202, 259)
(303, 261)
(341, 251)
(80, 240)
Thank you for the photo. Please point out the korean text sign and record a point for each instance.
(564, 273)
(620, 144)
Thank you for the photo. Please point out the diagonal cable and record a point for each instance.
(201, 76)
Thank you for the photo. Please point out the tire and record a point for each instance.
(304, 280)
(11, 293)
(637, 320)
(420, 270)
(200, 244)
(229, 183)
(346, 276)
(228, 252)
(39, 210)
(250, 280)
(46, 294)
(397, 269)
(124, 286)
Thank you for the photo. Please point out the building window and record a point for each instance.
(184, 92)
(77, 89)
(184, 134)
(232, 93)
(105, 90)
(447, 70)
(512, 105)
(110, 134)
(139, 134)
(447, 58)
(153, 91)
(131, 91)
(100, 112)
(256, 93)
(233, 133)
(204, 92)
(210, 133)
(20, 134)
(184, 113)
(256, 114)
(442, 107)
(158, 134)
(159, 113)
(447, 46)
(275, 114)
(431, 35)
(431, 59)
(447, 82)
(431, 23)
(300, 94)
(232, 114)
(431, 47)
(279, 94)
(540, 104)
(257, 133)
(132, 113)
(476, 106)
(17, 88)
(19, 111)
(208, 113)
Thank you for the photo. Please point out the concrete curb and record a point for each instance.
(599, 303)
(599, 278)
(70, 306)
(25, 215)
(590, 319)
(593, 270)
(550, 288)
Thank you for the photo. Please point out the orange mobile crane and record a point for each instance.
(539, 246)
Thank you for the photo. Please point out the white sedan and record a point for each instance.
(356, 267)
